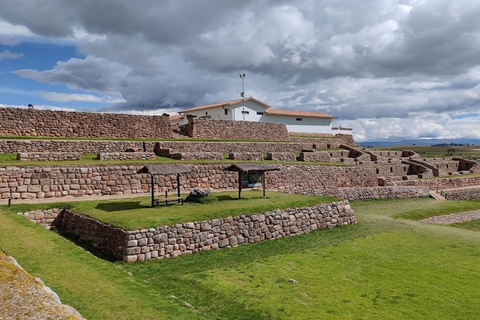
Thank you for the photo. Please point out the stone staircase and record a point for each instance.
(436, 196)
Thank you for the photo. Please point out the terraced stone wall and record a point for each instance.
(49, 156)
(60, 181)
(229, 129)
(191, 237)
(46, 123)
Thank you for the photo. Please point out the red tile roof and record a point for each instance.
(225, 103)
(299, 113)
(175, 117)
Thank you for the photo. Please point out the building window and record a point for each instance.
(299, 119)
(206, 113)
(260, 113)
(226, 111)
(245, 112)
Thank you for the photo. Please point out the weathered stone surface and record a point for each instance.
(47, 123)
(48, 156)
(126, 156)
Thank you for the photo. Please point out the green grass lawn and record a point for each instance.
(136, 213)
(381, 268)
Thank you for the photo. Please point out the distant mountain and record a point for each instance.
(419, 142)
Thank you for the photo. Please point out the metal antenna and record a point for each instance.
(242, 94)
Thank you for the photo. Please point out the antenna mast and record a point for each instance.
(242, 94)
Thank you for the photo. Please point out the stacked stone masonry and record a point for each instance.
(81, 146)
(370, 193)
(46, 218)
(49, 156)
(61, 181)
(46, 123)
(454, 218)
(462, 194)
(126, 156)
(191, 237)
(246, 156)
(281, 156)
(196, 156)
(228, 129)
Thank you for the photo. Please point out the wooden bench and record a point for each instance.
(166, 199)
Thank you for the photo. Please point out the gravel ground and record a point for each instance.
(24, 297)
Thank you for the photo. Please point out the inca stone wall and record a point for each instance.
(439, 184)
(49, 156)
(46, 123)
(370, 193)
(60, 181)
(191, 237)
(454, 217)
(229, 129)
(246, 156)
(462, 194)
(282, 156)
(229, 147)
(46, 218)
(81, 146)
(126, 156)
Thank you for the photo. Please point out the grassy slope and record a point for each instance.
(381, 268)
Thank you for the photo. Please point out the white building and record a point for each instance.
(251, 109)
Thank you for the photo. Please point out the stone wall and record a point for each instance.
(60, 181)
(81, 146)
(371, 193)
(462, 194)
(282, 156)
(46, 123)
(319, 143)
(246, 156)
(191, 237)
(440, 183)
(126, 156)
(228, 129)
(229, 147)
(454, 217)
(46, 218)
(49, 156)
(196, 156)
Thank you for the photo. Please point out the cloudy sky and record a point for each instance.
(389, 69)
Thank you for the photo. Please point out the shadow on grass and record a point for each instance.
(87, 246)
(120, 206)
(221, 198)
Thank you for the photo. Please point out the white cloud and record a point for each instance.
(68, 97)
(9, 55)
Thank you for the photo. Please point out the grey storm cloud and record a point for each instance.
(353, 59)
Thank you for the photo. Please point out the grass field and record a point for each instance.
(381, 268)
(136, 213)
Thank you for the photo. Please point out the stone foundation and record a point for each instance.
(49, 156)
(281, 156)
(191, 237)
(255, 156)
(126, 156)
(370, 193)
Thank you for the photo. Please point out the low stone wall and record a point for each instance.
(46, 123)
(371, 193)
(462, 194)
(126, 156)
(81, 146)
(196, 156)
(229, 147)
(246, 156)
(191, 237)
(49, 156)
(440, 183)
(315, 156)
(46, 218)
(319, 143)
(228, 129)
(454, 218)
(281, 156)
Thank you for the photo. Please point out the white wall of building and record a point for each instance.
(307, 124)
(253, 111)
